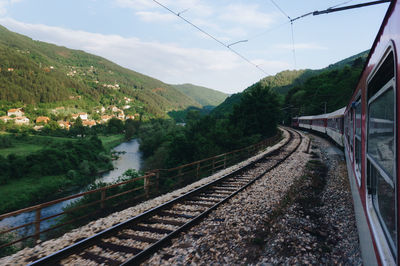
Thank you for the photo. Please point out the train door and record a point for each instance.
(381, 150)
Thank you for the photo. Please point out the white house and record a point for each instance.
(16, 112)
(21, 120)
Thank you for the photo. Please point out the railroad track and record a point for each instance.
(132, 241)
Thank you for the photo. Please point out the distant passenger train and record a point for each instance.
(367, 130)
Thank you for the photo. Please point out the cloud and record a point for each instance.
(150, 16)
(218, 69)
(248, 15)
(302, 46)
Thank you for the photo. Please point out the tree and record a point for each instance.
(258, 112)
(115, 126)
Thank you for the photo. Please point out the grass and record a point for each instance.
(111, 141)
(24, 192)
(20, 149)
(23, 146)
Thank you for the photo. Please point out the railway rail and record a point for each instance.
(132, 241)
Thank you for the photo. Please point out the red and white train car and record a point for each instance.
(367, 129)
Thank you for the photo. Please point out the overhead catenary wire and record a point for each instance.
(211, 36)
(291, 29)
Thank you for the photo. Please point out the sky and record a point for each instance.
(145, 37)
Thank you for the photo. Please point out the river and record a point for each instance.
(129, 158)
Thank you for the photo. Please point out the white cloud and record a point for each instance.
(302, 46)
(248, 15)
(219, 69)
(150, 16)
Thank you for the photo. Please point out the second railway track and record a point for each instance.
(132, 241)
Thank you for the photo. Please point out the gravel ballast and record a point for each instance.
(268, 224)
(48, 247)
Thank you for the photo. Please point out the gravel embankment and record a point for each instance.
(227, 235)
(318, 226)
(300, 213)
(46, 248)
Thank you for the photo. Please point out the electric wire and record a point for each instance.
(294, 50)
(291, 28)
(280, 9)
(211, 36)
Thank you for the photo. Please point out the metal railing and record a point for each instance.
(98, 202)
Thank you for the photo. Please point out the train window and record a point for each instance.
(381, 150)
(357, 142)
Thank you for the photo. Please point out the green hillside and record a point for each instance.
(34, 72)
(288, 82)
(202, 95)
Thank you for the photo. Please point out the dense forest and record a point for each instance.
(305, 92)
(165, 144)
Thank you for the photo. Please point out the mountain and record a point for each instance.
(202, 95)
(39, 73)
(286, 82)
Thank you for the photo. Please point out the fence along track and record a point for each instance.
(128, 193)
(134, 240)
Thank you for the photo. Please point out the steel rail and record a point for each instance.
(91, 241)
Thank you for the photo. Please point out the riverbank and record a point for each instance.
(27, 191)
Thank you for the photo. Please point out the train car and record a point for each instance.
(367, 128)
(335, 126)
(305, 122)
(371, 146)
(318, 123)
(330, 124)
(295, 122)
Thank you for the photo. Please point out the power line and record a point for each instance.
(333, 9)
(294, 50)
(267, 31)
(280, 9)
(291, 28)
(341, 4)
(211, 36)
(330, 10)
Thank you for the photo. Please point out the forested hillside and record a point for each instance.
(33, 72)
(303, 89)
(202, 95)
(331, 88)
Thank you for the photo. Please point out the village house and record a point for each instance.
(105, 118)
(114, 109)
(121, 116)
(5, 118)
(16, 112)
(127, 100)
(130, 117)
(42, 119)
(88, 123)
(64, 124)
(38, 128)
(10, 69)
(21, 120)
(126, 107)
(83, 116)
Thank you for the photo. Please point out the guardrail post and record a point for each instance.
(157, 180)
(197, 170)
(103, 198)
(146, 185)
(224, 161)
(37, 224)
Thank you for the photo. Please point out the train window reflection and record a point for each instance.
(381, 131)
(381, 161)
